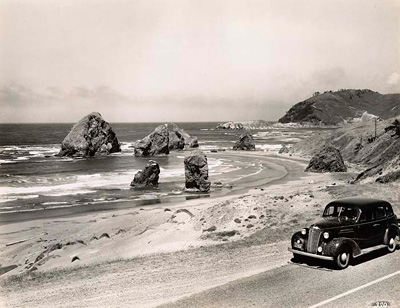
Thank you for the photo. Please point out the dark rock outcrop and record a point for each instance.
(196, 171)
(245, 142)
(284, 149)
(155, 143)
(179, 138)
(91, 136)
(332, 108)
(328, 159)
(148, 176)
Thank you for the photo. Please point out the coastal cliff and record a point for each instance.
(379, 155)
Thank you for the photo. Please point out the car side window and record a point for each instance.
(389, 210)
(366, 215)
(379, 212)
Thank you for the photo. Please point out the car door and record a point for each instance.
(365, 232)
(379, 225)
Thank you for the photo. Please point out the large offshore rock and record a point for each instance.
(148, 176)
(245, 142)
(230, 125)
(328, 159)
(196, 171)
(91, 136)
(155, 143)
(176, 138)
(179, 138)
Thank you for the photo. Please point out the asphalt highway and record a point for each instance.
(373, 279)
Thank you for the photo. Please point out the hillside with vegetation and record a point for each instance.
(335, 108)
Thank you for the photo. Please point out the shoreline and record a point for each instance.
(241, 185)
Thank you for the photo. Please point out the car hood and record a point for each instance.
(330, 223)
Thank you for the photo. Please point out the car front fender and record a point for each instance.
(333, 247)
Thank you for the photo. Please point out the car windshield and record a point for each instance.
(342, 212)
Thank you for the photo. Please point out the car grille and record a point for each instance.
(313, 239)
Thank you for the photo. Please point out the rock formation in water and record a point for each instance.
(179, 138)
(245, 142)
(328, 159)
(333, 108)
(176, 137)
(196, 171)
(165, 138)
(230, 125)
(148, 176)
(91, 136)
(155, 143)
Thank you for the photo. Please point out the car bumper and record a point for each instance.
(311, 255)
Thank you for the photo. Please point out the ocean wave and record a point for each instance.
(270, 147)
(7, 161)
(54, 202)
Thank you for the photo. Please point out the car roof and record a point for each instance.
(359, 202)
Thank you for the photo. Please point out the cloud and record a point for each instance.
(393, 79)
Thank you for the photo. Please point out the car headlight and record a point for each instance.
(304, 231)
(325, 235)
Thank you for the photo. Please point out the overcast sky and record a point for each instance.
(189, 60)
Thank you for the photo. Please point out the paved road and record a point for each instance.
(365, 282)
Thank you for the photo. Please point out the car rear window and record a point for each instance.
(389, 210)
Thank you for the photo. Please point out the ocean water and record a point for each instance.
(33, 180)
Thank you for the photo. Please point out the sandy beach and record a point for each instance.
(134, 257)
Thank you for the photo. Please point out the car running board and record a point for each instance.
(370, 249)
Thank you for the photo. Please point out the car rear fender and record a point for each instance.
(337, 244)
(392, 229)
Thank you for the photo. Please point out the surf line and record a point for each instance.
(354, 290)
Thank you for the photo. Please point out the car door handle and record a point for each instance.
(375, 225)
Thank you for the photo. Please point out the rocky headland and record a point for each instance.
(91, 136)
(337, 108)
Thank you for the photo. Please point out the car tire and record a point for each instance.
(392, 243)
(298, 258)
(342, 260)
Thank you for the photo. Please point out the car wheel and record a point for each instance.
(392, 243)
(298, 258)
(343, 258)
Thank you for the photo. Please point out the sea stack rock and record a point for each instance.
(91, 136)
(196, 171)
(155, 143)
(176, 138)
(328, 159)
(148, 176)
(245, 142)
(179, 138)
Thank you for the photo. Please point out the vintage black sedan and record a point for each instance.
(348, 229)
